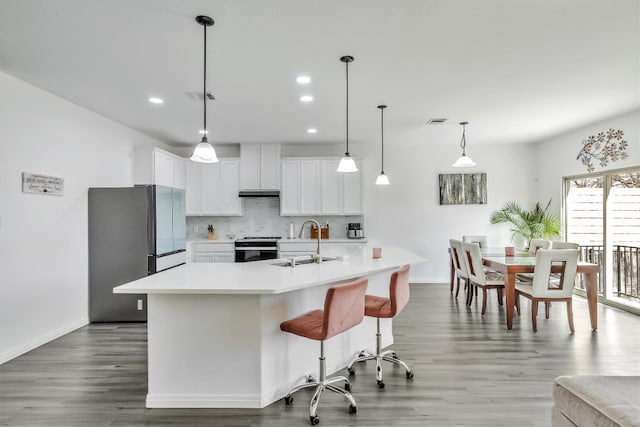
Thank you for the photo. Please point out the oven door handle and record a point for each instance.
(257, 248)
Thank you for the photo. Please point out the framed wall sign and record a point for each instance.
(42, 184)
(463, 188)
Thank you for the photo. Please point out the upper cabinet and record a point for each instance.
(313, 187)
(212, 188)
(159, 167)
(260, 166)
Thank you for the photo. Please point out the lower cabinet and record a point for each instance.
(289, 249)
(211, 252)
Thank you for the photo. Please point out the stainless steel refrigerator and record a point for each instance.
(133, 232)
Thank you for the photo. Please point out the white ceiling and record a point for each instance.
(518, 71)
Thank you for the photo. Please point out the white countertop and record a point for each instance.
(330, 240)
(285, 240)
(262, 277)
(215, 241)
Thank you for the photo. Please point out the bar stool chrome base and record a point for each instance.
(323, 383)
(379, 356)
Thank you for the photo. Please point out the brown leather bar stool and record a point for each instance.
(343, 309)
(384, 308)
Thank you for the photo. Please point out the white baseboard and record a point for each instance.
(202, 401)
(37, 342)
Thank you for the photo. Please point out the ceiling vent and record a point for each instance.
(435, 122)
(197, 96)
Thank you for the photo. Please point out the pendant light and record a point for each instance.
(204, 151)
(347, 164)
(463, 161)
(382, 178)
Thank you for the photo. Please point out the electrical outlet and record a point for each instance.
(140, 304)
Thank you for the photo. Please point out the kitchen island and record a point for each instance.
(214, 338)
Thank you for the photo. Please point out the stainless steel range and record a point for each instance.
(256, 248)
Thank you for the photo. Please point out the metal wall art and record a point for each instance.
(603, 147)
(463, 189)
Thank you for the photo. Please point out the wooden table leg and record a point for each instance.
(452, 273)
(592, 299)
(510, 297)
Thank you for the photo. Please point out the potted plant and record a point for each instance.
(536, 223)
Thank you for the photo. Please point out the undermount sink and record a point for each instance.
(302, 262)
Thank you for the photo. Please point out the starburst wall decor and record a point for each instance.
(603, 147)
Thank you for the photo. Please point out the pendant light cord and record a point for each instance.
(347, 136)
(382, 135)
(463, 141)
(204, 95)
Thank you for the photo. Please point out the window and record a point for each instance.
(602, 215)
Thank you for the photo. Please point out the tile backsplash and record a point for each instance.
(262, 218)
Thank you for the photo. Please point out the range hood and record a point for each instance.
(259, 193)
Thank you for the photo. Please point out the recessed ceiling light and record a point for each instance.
(306, 98)
(155, 100)
(303, 80)
(312, 130)
(203, 132)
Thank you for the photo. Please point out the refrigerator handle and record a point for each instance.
(151, 219)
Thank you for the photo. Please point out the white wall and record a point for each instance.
(43, 239)
(407, 213)
(556, 158)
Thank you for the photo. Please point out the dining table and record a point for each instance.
(509, 266)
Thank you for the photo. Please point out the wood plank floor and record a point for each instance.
(469, 371)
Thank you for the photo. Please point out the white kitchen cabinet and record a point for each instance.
(290, 192)
(313, 187)
(193, 193)
(159, 167)
(260, 166)
(309, 187)
(300, 194)
(224, 257)
(212, 188)
(217, 251)
(331, 193)
(298, 248)
(329, 247)
(352, 191)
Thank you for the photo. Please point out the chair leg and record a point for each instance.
(379, 356)
(323, 383)
(570, 316)
(484, 300)
(534, 314)
(469, 293)
(517, 303)
(458, 288)
(499, 296)
(547, 306)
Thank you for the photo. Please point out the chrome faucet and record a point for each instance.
(317, 224)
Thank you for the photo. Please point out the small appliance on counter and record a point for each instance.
(355, 231)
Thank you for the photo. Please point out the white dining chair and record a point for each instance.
(479, 277)
(564, 245)
(535, 244)
(480, 239)
(458, 264)
(546, 287)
